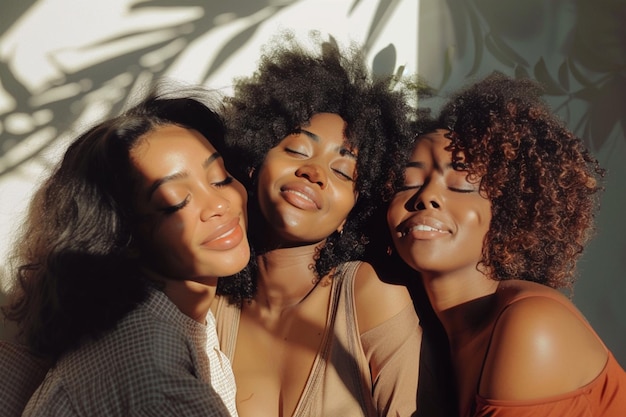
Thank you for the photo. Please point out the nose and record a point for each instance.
(314, 173)
(214, 205)
(423, 205)
(428, 197)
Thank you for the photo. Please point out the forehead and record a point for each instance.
(166, 141)
(329, 128)
(432, 144)
(330, 125)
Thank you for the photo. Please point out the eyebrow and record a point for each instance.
(156, 184)
(311, 135)
(210, 159)
(343, 151)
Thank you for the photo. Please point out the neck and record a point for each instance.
(286, 276)
(192, 297)
(461, 300)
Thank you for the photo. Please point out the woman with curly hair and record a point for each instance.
(119, 263)
(322, 335)
(494, 210)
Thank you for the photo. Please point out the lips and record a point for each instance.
(424, 228)
(301, 196)
(225, 236)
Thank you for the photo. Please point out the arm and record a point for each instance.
(185, 395)
(186, 378)
(193, 378)
(391, 339)
(171, 389)
(49, 400)
(20, 372)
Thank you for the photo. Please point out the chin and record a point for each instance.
(416, 263)
(233, 266)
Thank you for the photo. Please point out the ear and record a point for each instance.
(340, 228)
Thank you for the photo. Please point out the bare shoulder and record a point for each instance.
(540, 348)
(375, 300)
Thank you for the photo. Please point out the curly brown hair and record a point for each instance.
(542, 181)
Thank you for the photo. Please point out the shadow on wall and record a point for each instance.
(143, 42)
(103, 54)
(44, 107)
(86, 75)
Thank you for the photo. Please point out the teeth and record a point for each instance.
(425, 228)
(226, 234)
(422, 228)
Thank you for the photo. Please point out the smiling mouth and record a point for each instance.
(228, 232)
(223, 231)
(229, 239)
(421, 228)
(300, 198)
(301, 195)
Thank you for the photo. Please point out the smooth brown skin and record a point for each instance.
(539, 348)
(287, 317)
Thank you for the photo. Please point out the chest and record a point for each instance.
(275, 357)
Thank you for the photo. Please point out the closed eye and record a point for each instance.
(173, 209)
(343, 175)
(224, 183)
(409, 187)
(462, 190)
(294, 152)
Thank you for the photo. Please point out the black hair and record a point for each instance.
(76, 275)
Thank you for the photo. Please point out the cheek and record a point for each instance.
(262, 196)
(272, 168)
(395, 212)
(264, 181)
(268, 187)
(171, 234)
(241, 202)
(243, 195)
(477, 221)
(349, 200)
(344, 203)
(482, 214)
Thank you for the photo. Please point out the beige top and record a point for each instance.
(340, 382)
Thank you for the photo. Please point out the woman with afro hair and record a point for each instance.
(320, 334)
(494, 210)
